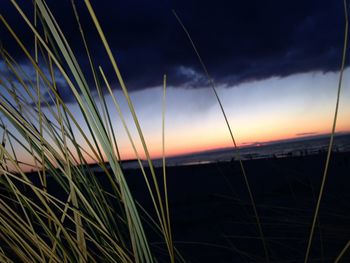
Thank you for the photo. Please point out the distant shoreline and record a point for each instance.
(310, 145)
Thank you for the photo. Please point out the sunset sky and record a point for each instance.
(275, 63)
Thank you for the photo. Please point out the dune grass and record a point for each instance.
(85, 222)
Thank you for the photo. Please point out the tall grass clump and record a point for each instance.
(60, 211)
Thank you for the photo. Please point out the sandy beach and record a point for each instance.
(213, 220)
(212, 217)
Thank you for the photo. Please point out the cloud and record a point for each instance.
(240, 41)
(24, 74)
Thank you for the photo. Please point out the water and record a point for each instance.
(292, 147)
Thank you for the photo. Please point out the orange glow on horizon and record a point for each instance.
(184, 150)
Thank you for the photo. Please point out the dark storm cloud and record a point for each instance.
(239, 40)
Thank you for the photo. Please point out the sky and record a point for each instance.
(275, 65)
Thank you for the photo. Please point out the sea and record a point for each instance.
(278, 149)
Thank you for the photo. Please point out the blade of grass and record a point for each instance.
(212, 84)
(341, 254)
(325, 173)
(170, 245)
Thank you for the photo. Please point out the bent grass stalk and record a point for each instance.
(212, 85)
(325, 173)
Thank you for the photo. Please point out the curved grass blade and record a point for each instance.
(324, 177)
(212, 84)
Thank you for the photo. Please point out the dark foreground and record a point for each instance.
(213, 220)
(212, 216)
